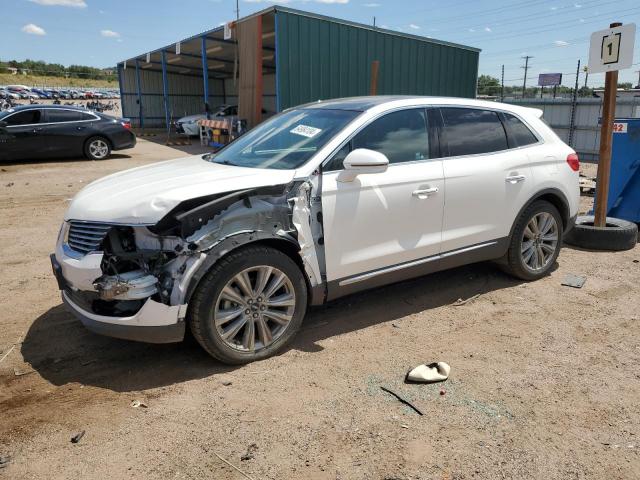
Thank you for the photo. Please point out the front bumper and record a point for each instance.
(191, 129)
(154, 322)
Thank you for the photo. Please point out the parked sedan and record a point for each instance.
(318, 202)
(49, 131)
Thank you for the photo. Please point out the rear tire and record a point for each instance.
(249, 306)
(535, 243)
(97, 148)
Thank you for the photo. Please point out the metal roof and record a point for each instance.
(276, 8)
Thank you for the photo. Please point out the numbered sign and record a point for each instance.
(619, 128)
(612, 49)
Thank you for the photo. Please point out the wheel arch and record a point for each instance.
(556, 198)
(288, 246)
(97, 135)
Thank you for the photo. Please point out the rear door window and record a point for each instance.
(519, 133)
(26, 117)
(58, 116)
(472, 131)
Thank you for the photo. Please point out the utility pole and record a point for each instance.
(237, 9)
(526, 67)
(502, 86)
(586, 75)
(374, 22)
(638, 72)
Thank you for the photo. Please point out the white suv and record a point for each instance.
(318, 202)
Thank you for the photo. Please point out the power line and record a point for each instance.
(518, 20)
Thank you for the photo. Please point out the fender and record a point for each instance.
(561, 203)
(228, 245)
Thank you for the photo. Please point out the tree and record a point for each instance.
(625, 85)
(488, 85)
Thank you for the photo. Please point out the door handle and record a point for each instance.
(513, 179)
(424, 193)
(80, 128)
(37, 130)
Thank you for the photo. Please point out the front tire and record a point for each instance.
(249, 306)
(97, 148)
(536, 242)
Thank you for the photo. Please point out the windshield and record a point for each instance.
(286, 141)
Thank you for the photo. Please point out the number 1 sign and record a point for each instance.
(612, 49)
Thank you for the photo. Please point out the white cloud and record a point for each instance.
(488, 29)
(109, 34)
(553, 8)
(386, 27)
(332, 1)
(264, 1)
(472, 30)
(62, 3)
(560, 43)
(33, 29)
(371, 5)
(414, 26)
(577, 5)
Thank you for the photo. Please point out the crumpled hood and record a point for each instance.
(144, 195)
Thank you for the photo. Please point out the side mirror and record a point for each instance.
(360, 161)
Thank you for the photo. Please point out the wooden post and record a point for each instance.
(606, 131)
(373, 88)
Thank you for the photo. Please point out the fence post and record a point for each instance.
(574, 104)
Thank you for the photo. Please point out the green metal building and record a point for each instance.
(298, 57)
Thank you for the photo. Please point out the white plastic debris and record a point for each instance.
(429, 373)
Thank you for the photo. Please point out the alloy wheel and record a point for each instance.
(254, 308)
(99, 149)
(539, 241)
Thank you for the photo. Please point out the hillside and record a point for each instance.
(39, 81)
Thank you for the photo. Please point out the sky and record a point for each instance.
(102, 32)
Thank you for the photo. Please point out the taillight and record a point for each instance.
(573, 161)
(127, 125)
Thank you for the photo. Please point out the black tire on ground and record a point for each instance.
(617, 235)
(203, 303)
(513, 262)
(97, 148)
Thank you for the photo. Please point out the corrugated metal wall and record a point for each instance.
(321, 59)
(557, 113)
(185, 96)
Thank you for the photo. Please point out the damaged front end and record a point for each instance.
(120, 277)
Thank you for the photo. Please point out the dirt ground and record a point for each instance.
(544, 384)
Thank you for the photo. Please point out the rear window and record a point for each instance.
(519, 132)
(470, 131)
(56, 116)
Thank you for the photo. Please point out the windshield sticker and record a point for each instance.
(306, 131)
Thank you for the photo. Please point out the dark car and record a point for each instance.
(48, 131)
